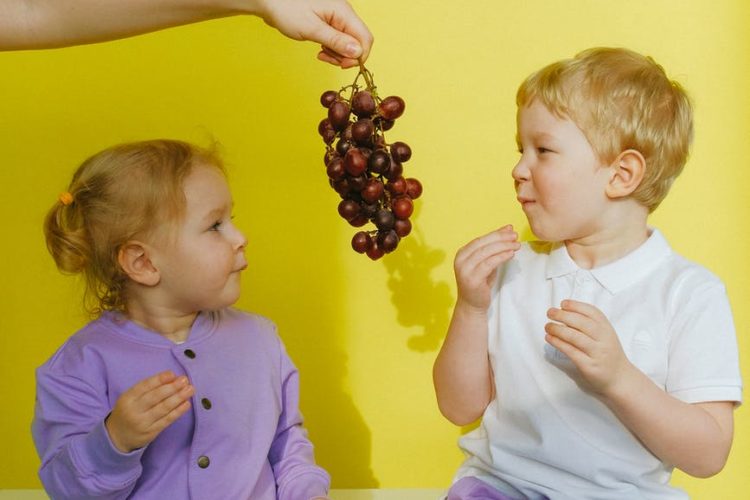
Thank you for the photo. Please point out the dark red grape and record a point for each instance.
(335, 169)
(402, 207)
(338, 113)
(373, 190)
(341, 186)
(361, 242)
(362, 131)
(328, 134)
(397, 186)
(363, 104)
(369, 209)
(384, 219)
(402, 227)
(359, 221)
(379, 161)
(388, 240)
(395, 171)
(348, 208)
(343, 146)
(357, 183)
(391, 107)
(413, 188)
(355, 162)
(385, 125)
(375, 252)
(400, 152)
(328, 98)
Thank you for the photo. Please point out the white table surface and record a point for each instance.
(387, 494)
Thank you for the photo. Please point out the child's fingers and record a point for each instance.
(575, 320)
(151, 383)
(475, 261)
(571, 336)
(159, 394)
(504, 234)
(168, 405)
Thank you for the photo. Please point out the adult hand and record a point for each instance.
(475, 266)
(584, 334)
(146, 409)
(332, 23)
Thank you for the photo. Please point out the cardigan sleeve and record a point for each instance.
(78, 457)
(291, 455)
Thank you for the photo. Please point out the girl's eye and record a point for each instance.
(215, 226)
(542, 150)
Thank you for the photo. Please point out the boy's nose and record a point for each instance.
(520, 172)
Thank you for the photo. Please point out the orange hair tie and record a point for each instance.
(65, 198)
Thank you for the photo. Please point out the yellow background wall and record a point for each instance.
(364, 334)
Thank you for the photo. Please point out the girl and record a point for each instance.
(169, 393)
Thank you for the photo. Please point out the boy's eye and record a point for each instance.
(215, 226)
(542, 150)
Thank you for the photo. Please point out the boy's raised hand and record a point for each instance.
(475, 266)
(584, 334)
(146, 409)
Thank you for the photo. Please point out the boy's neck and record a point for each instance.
(620, 235)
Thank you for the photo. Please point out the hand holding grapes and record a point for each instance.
(146, 409)
(344, 38)
(476, 263)
(584, 334)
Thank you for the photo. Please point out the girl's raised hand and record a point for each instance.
(475, 266)
(146, 409)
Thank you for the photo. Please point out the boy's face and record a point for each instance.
(559, 180)
(200, 265)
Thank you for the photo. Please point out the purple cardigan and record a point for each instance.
(243, 438)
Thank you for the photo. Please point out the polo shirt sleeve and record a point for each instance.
(78, 457)
(703, 354)
(291, 455)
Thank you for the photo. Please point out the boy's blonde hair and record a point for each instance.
(620, 100)
(119, 194)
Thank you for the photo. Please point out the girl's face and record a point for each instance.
(200, 265)
(559, 180)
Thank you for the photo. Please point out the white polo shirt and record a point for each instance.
(544, 435)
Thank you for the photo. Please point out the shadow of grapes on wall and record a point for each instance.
(420, 300)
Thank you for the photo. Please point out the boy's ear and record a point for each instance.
(134, 259)
(628, 170)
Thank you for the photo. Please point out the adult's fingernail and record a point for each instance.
(353, 50)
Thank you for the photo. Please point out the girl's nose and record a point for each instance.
(239, 239)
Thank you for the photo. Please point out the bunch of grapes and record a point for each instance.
(365, 170)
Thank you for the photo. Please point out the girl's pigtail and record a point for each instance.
(65, 233)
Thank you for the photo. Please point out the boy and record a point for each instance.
(601, 359)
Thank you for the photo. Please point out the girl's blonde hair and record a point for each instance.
(620, 100)
(118, 194)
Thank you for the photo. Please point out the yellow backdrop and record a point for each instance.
(364, 334)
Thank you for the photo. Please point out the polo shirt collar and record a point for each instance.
(617, 275)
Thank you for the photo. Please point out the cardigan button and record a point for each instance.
(203, 461)
(190, 353)
(206, 403)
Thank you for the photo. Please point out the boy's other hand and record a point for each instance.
(584, 334)
(146, 409)
(475, 266)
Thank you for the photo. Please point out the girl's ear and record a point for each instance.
(628, 170)
(135, 261)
